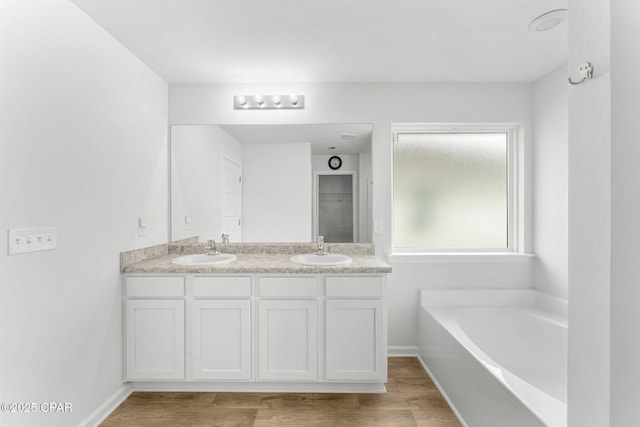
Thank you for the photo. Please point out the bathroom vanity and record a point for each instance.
(259, 323)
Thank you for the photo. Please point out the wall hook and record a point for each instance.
(586, 71)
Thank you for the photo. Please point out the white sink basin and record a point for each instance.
(204, 259)
(328, 259)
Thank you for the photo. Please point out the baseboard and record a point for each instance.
(108, 406)
(402, 351)
(258, 387)
(443, 393)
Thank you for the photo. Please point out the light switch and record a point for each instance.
(142, 227)
(378, 226)
(23, 240)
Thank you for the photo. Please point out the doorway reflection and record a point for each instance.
(335, 208)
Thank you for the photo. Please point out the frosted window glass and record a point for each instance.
(450, 191)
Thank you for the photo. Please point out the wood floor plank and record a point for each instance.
(429, 418)
(383, 401)
(384, 417)
(257, 400)
(411, 400)
(219, 417)
(297, 417)
(405, 367)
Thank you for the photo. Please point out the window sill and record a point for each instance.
(457, 257)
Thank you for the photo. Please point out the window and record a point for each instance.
(452, 189)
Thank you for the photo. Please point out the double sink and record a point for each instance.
(303, 259)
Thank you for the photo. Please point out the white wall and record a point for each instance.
(625, 233)
(320, 162)
(381, 105)
(82, 147)
(276, 193)
(196, 153)
(550, 182)
(589, 216)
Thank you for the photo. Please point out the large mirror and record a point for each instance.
(271, 183)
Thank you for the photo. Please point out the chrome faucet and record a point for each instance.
(320, 250)
(225, 238)
(211, 247)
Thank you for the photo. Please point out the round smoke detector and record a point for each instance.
(548, 20)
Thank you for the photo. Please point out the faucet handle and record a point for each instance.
(320, 250)
(211, 248)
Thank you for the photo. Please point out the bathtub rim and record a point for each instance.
(526, 297)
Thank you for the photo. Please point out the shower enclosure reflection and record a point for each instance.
(270, 183)
(335, 208)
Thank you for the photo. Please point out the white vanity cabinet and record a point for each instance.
(287, 328)
(221, 328)
(256, 332)
(155, 328)
(354, 328)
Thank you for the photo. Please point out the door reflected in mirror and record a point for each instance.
(271, 183)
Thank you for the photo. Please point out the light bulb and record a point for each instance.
(259, 99)
(276, 100)
(294, 99)
(241, 100)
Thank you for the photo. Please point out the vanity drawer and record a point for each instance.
(288, 287)
(222, 286)
(355, 286)
(155, 286)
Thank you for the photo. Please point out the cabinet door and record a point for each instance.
(221, 339)
(354, 349)
(287, 340)
(155, 339)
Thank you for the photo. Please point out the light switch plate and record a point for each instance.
(378, 226)
(143, 225)
(23, 240)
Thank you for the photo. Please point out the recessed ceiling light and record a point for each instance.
(548, 20)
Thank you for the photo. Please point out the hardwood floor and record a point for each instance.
(411, 400)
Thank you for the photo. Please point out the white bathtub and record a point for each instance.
(499, 357)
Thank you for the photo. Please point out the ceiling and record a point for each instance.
(320, 136)
(294, 41)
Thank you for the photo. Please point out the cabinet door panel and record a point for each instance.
(287, 340)
(355, 350)
(222, 339)
(155, 339)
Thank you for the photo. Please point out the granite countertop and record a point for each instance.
(259, 263)
(252, 258)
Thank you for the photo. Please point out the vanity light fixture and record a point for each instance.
(268, 102)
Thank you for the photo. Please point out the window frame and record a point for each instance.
(515, 196)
